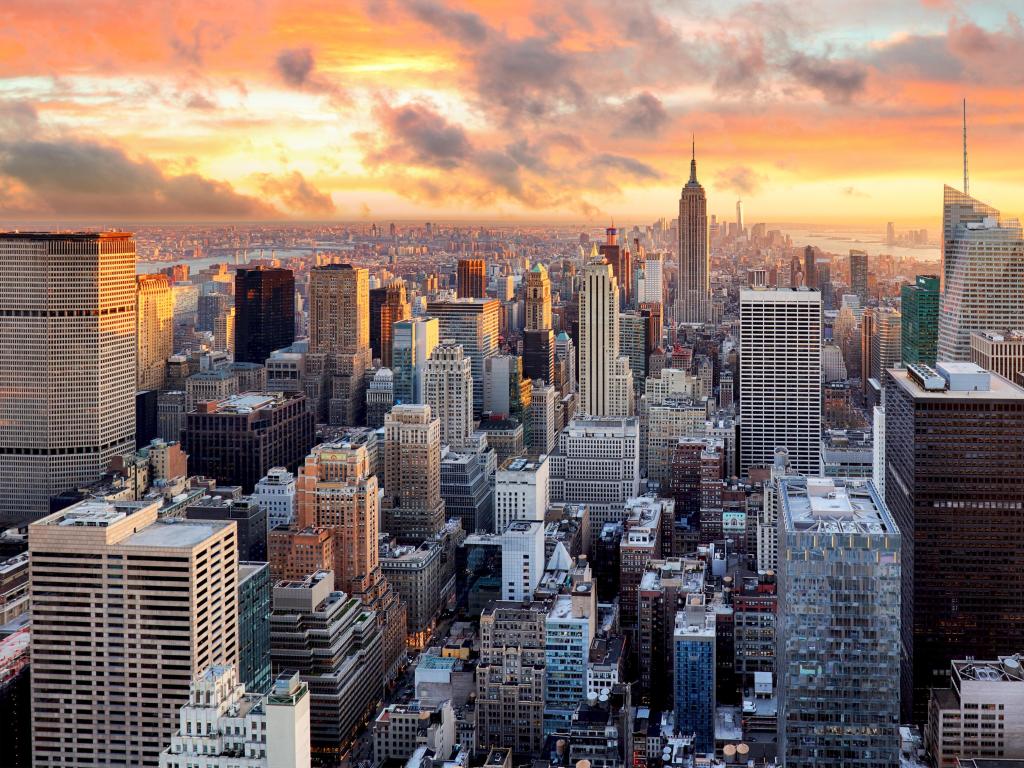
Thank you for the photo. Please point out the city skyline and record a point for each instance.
(436, 110)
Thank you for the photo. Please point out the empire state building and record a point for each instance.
(693, 296)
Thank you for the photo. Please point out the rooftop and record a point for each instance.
(249, 401)
(48, 236)
(834, 506)
(521, 464)
(998, 387)
(175, 534)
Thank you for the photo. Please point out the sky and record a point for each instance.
(820, 111)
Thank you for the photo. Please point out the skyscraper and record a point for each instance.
(154, 330)
(919, 307)
(538, 299)
(982, 271)
(810, 271)
(619, 258)
(474, 324)
(413, 342)
(396, 307)
(740, 227)
(98, 635)
(472, 278)
(67, 382)
(413, 507)
(693, 297)
(839, 625)
(954, 446)
(448, 390)
(339, 326)
(606, 382)
(780, 378)
(264, 312)
(859, 275)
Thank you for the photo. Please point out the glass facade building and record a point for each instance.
(919, 307)
(838, 656)
(694, 657)
(254, 626)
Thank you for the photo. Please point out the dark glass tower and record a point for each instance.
(954, 482)
(919, 305)
(264, 312)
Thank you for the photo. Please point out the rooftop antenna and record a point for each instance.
(966, 189)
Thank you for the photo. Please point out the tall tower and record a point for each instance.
(739, 218)
(602, 374)
(396, 307)
(780, 375)
(472, 279)
(413, 507)
(339, 326)
(448, 390)
(264, 312)
(154, 330)
(474, 324)
(859, 275)
(538, 299)
(694, 288)
(67, 379)
(538, 337)
(412, 343)
(94, 574)
(982, 271)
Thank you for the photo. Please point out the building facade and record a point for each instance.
(154, 330)
(264, 312)
(919, 310)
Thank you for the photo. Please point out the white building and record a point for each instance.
(982, 270)
(275, 492)
(448, 390)
(650, 286)
(780, 371)
(222, 726)
(606, 381)
(401, 729)
(522, 559)
(597, 463)
(981, 714)
(521, 491)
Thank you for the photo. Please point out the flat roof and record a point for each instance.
(47, 236)
(833, 505)
(999, 388)
(175, 534)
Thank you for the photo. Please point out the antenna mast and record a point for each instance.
(966, 189)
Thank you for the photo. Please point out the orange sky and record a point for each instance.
(554, 109)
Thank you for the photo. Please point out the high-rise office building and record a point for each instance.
(510, 677)
(380, 397)
(238, 440)
(224, 332)
(1000, 352)
(886, 346)
(538, 299)
(378, 297)
(396, 307)
(472, 278)
(522, 558)
(859, 275)
(810, 271)
(838, 626)
(693, 293)
(823, 271)
(521, 491)
(254, 626)
(474, 324)
(264, 312)
(570, 628)
(780, 377)
(693, 644)
(541, 418)
(954, 441)
(539, 354)
(565, 354)
(68, 381)
(650, 284)
(339, 327)
(605, 379)
(103, 623)
(334, 644)
(275, 492)
(413, 507)
(466, 489)
(154, 330)
(412, 343)
(448, 390)
(982, 272)
(225, 718)
(919, 311)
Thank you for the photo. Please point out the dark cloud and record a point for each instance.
(924, 57)
(297, 194)
(202, 39)
(838, 80)
(989, 55)
(417, 134)
(643, 115)
(627, 165)
(295, 66)
(740, 62)
(17, 118)
(464, 26)
(739, 179)
(74, 177)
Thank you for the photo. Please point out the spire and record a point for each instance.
(966, 190)
(693, 159)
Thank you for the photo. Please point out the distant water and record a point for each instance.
(842, 242)
(239, 257)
